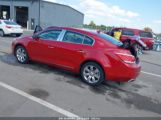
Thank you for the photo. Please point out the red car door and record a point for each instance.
(37, 49)
(43, 47)
(70, 52)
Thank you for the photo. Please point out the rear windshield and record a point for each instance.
(10, 23)
(146, 34)
(110, 39)
(128, 32)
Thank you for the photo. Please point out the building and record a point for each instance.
(30, 13)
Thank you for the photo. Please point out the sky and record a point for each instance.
(124, 13)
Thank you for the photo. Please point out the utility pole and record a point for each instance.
(39, 12)
(11, 10)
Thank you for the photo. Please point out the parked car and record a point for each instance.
(10, 28)
(135, 37)
(94, 55)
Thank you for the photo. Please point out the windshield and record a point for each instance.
(110, 39)
(10, 23)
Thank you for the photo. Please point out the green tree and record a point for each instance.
(148, 29)
(92, 24)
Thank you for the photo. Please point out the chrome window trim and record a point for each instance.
(64, 32)
(61, 36)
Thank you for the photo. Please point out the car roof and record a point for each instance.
(133, 29)
(81, 30)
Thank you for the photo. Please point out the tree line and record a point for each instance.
(92, 25)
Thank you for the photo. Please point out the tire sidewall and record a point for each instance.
(140, 47)
(27, 57)
(1, 35)
(102, 77)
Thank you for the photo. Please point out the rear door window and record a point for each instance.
(88, 41)
(73, 37)
(146, 34)
(128, 32)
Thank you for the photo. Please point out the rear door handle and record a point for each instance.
(51, 47)
(80, 51)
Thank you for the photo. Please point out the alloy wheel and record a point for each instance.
(139, 49)
(21, 54)
(91, 74)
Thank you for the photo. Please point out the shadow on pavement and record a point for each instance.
(113, 93)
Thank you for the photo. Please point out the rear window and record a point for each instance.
(110, 39)
(146, 34)
(88, 41)
(10, 23)
(128, 32)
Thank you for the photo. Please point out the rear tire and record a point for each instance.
(21, 55)
(92, 74)
(138, 48)
(1, 33)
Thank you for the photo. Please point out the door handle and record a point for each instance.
(80, 51)
(51, 47)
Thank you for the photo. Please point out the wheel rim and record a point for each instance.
(21, 55)
(139, 49)
(91, 74)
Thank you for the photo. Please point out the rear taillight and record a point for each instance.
(8, 27)
(126, 58)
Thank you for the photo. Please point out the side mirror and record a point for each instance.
(35, 37)
(37, 29)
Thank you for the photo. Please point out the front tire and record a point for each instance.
(18, 35)
(92, 74)
(1, 33)
(21, 55)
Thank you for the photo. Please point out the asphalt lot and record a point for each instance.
(63, 94)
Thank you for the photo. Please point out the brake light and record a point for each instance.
(127, 58)
(8, 27)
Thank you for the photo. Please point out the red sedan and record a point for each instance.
(94, 55)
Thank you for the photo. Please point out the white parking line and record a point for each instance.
(40, 101)
(151, 74)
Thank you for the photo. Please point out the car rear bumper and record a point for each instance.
(149, 47)
(124, 73)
